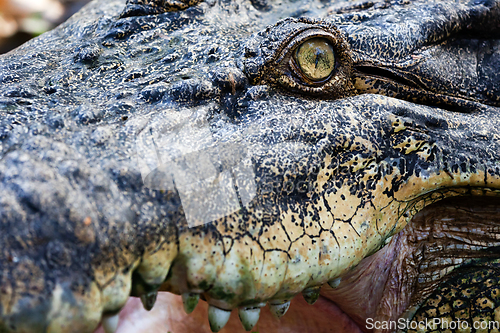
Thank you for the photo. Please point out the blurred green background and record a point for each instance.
(21, 20)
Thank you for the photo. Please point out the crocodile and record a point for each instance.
(244, 152)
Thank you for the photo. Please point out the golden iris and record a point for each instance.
(316, 59)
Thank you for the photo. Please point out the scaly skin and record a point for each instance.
(169, 146)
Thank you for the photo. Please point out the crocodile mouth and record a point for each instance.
(375, 291)
(442, 241)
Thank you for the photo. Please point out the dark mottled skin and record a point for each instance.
(313, 179)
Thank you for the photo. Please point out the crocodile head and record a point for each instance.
(248, 151)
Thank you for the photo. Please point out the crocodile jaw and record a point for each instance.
(373, 291)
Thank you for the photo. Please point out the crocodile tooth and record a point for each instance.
(190, 301)
(110, 323)
(311, 294)
(388, 240)
(279, 309)
(148, 300)
(249, 317)
(217, 318)
(334, 283)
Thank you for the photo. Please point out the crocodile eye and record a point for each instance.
(315, 59)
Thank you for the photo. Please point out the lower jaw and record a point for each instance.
(168, 316)
(359, 294)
